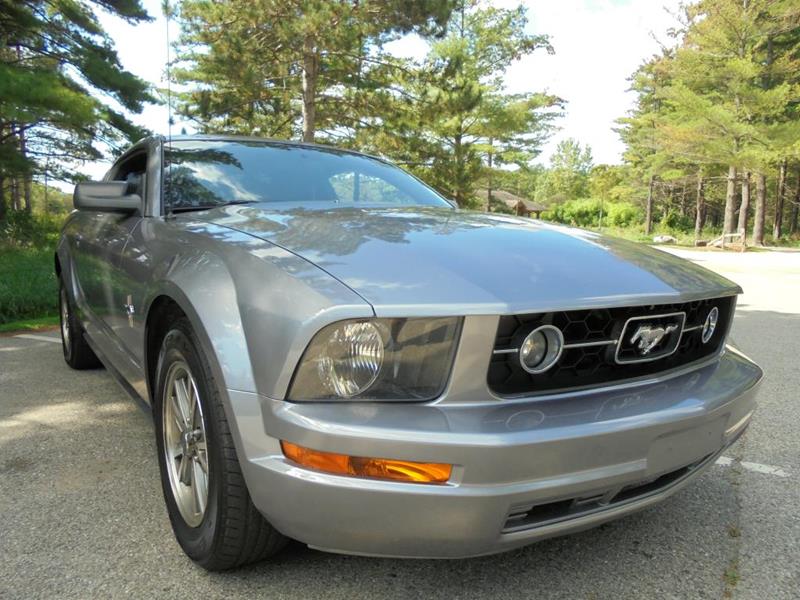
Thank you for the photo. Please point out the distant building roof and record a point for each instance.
(511, 200)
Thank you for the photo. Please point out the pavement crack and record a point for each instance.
(732, 575)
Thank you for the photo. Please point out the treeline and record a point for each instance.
(718, 115)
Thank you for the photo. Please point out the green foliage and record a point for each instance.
(28, 286)
(622, 214)
(30, 324)
(594, 212)
(725, 99)
(568, 177)
(450, 122)
(673, 220)
(60, 81)
(23, 229)
(318, 70)
(286, 68)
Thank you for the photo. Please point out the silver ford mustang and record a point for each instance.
(334, 353)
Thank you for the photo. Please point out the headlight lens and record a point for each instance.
(351, 359)
(377, 359)
(541, 349)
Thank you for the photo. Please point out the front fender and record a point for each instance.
(253, 305)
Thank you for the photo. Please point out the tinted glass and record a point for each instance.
(207, 173)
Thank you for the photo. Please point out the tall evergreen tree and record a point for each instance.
(291, 68)
(450, 119)
(63, 94)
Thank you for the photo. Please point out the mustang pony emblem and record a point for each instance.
(649, 337)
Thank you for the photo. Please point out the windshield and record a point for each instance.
(201, 173)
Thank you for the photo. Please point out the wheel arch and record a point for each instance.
(219, 333)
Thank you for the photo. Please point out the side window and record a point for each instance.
(133, 170)
(358, 187)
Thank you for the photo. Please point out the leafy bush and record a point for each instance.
(676, 221)
(622, 214)
(28, 286)
(23, 229)
(587, 212)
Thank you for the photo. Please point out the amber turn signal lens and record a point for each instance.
(358, 466)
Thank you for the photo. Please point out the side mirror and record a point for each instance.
(106, 196)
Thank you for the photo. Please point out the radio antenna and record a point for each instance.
(167, 10)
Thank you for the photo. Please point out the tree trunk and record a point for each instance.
(648, 214)
(458, 191)
(2, 198)
(728, 224)
(310, 76)
(489, 178)
(781, 192)
(795, 207)
(684, 205)
(700, 209)
(761, 209)
(16, 202)
(26, 182)
(745, 206)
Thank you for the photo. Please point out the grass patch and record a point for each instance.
(28, 285)
(732, 576)
(29, 324)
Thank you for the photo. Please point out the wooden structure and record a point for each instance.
(520, 206)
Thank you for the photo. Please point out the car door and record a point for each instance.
(119, 306)
(99, 240)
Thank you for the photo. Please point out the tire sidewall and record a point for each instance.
(198, 542)
(67, 348)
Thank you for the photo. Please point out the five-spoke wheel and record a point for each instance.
(185, 445)
(211, 512)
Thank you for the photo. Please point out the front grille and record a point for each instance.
(529, 516)
(590, 357)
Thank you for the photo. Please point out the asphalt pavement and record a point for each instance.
(82, 516)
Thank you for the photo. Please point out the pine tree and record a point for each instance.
(63, 94)
(449, 118)
(291, 68)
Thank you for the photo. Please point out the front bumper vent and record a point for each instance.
(538, 515)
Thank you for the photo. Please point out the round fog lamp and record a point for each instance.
(351, 359)
(710, 325)
(541, 349)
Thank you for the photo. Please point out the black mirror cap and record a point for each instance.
(105, 196)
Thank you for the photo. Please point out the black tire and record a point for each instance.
(77, 352)
(232, 532)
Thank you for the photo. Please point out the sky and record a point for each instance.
(598, 45)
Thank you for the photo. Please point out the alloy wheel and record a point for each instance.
(185, 443)
(64, 318)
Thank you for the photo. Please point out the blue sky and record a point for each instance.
(598, 44)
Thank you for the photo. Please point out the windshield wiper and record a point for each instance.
(178, 209)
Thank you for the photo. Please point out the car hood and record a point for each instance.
(442, 261)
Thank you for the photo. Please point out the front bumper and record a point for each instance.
(524, 470)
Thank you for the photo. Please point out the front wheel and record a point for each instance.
(77, 352)
(210, 509)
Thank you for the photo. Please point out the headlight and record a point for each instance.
(377, 359)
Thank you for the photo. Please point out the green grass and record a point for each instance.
(29, 324)
(28, 286)
(686, 238)
(636, 234)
